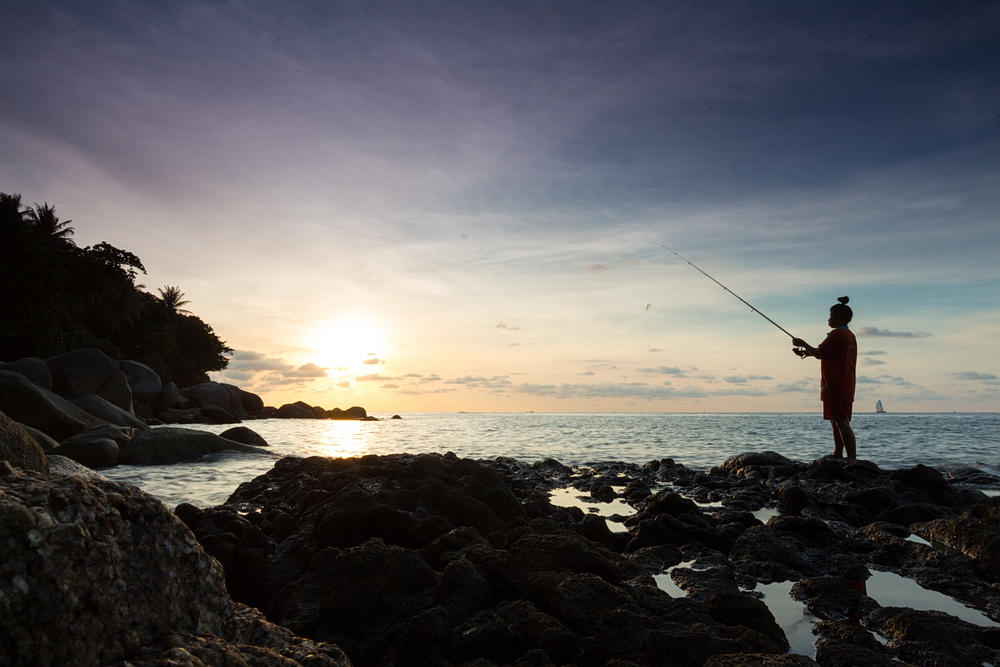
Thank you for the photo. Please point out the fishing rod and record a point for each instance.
(735, 294)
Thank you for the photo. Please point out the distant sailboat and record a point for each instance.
(878, 407)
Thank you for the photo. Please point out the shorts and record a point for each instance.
(838, 410)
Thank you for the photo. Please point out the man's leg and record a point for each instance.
(843, 437)
(838, 440)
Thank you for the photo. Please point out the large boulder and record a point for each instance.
(19, 448)
(170, 395)
(208, 393)
(161, 446)
(89, 371)
(108, 411)
(95, 448)
(142, 380)
(32, 368)
(25, 402)
(122, 581)
(252, 403)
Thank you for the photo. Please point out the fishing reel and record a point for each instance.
(801, 351)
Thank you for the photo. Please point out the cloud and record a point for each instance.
(344, 384)
(885, 379)
(373, 377)
(874, 353)
(654, 349)
(588, 373)
(597, 267)
(662, 370)
(972, 375)
(743, 379)
(374, 361)
(798, 385)
(872, 362)
(390, 386)
(874, 332)
(501, 325)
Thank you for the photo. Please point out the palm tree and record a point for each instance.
(173, 299)
(47, 226)
(10, 207)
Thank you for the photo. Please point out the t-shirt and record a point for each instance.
(838, 356)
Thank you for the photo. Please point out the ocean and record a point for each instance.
(698, 440)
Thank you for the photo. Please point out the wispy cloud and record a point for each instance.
(874, 332)
(973, 375)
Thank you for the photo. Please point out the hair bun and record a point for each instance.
(844, 300)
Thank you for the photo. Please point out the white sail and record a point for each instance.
(878, 406)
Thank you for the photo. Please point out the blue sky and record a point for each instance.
(456, 206)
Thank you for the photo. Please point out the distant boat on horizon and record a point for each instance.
(878, 407)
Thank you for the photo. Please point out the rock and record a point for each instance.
(89, 371)
(208, 393)
(46, 442)
(142, 380)
(762, 660)
(295, 411)
(108, 412)
(164, 445)
(734, 464)
(976, 533)
(252, 403)
(214, 414)
(170, 396)
(244, 435)
(33, 406)
(19, 448)
(60, 465)
(95, 448)
(935, 638)
(395, 417)
(124, 582)
(32, 368)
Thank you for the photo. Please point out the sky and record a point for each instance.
(455, 206)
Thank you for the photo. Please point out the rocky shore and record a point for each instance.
(436, 560)
(85, 406)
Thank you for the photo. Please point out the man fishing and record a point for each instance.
(838, 356)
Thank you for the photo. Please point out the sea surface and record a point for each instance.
(699, 441)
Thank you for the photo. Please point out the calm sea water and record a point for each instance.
(699, 441)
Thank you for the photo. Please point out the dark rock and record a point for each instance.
(252, 403)
(170, 396)
(935, 638)
(124, 582)
(60, 465)
(32, 368)
(214, 414)
(736, 464)
(161, 446)
(94, 452)
(45, 441)
(295, 411)
(244, 435)
(142, 380)
(976, 533)
(19, 448)
(108, 412)
(33, 406)
(395, 417)
(89, 371)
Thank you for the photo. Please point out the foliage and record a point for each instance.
(56, 297)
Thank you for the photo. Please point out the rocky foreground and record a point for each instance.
(437, 560)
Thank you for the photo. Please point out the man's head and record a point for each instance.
(840, 313)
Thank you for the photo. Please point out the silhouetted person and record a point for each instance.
(838, 356)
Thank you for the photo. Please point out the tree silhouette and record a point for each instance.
(47, 226)
(173, 299)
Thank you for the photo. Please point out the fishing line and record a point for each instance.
(735, 294)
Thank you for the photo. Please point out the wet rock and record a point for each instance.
(161, 446)
(935, 638)
(847, 644)
(244, 435)
(976, 533)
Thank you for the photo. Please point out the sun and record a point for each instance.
(350, 343)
